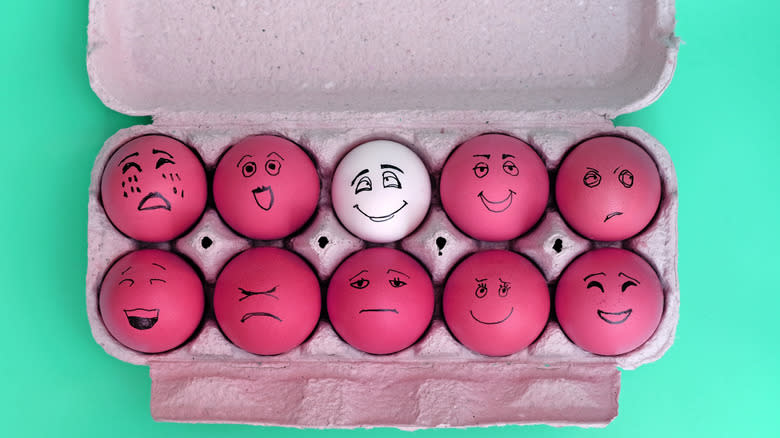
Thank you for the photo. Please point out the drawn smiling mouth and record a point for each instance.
(154, 201)
(249, 315)
(386, 217)
(142, 319)
(614, 317)
(613, 214)
(264, 197)
(379, 310)
(491, 322)
(497, 206)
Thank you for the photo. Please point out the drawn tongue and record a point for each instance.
(264, 197)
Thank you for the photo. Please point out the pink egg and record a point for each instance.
(267, 300)
(494, 187)
(496, 302)
(380, 300)
(153, 188)
(266, 187)
(608, 188)
(151, 300)
(609, 301)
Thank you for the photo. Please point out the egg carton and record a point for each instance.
(429, 75)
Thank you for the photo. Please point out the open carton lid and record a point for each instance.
(222, 59)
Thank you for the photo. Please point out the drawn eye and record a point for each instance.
(273, 167)
(596, 284)
(481, 290)
(363, 185)
(481, 169)
(397, 282)
(591, 178)
(503, 290)
(130, 164)
(360, 283)
(626, 285)
(249, 168)
(128, 280)
(156, 279)
(626, 178)
(511, 168)
(390, 179)
(161, 161)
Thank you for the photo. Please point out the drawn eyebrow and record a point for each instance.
(627, 276)
(134, 154)
(595, 170)
(160, 266)
(480, 280)
(357, 274)
(591, 275)
(356, 176)
(502, 281)
(156, 279)
(390, 166)
(616, 169)
(158, 151)
(128, 268)
(250, 293)
(274, 153)
(242, 159)
(487, 156)
(395, 270)
(505, 156)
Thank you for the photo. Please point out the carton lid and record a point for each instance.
(163, 57)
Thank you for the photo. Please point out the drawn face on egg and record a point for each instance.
(266, 187)
(153, 188)
(609, 301)
(381, 191)
(608, 188)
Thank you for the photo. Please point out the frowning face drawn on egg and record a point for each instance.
(381, 191)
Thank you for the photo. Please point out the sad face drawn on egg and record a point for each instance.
(381, 191)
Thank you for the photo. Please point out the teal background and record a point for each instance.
(718, 120)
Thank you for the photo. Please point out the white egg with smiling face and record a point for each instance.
(381, 191)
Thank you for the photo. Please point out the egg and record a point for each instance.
(153, 188)
(496, 302)
(609, 301)
(381, 191)
(265, 187)
(151, 300)
(608, 188)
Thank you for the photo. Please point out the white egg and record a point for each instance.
(381, 191)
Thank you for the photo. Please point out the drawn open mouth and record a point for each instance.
(264, 197)
(499, 206)
(491, 322)
(379, 310)
(386, 217)
(154, 201)
(142, 319)
(249, 315)
(613, 214)
(614, 317)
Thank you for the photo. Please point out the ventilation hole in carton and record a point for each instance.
(206, 242)
(440, 242)
(558, 245)
(322, 241)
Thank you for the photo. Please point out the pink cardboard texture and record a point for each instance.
(330, 75)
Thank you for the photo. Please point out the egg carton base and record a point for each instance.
(317, 394)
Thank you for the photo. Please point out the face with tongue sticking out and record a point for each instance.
(153, 188)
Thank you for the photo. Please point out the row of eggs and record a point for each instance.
(380, 300)
(493, 187)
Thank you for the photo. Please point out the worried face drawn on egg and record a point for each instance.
(381, 191)
(608, 188)
(267, 300)
(266, 187)
(151, 300)
(609, 301)
(496, 302)
(494, 187)
(153, 188)
(380, 300)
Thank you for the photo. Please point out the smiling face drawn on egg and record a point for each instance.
(494, 187)
(265, 187)
(608, 188)
(381, 191)
(380, 300)
(141, 318)
(153, 188)
(482, 291)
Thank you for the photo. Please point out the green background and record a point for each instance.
(717, 119)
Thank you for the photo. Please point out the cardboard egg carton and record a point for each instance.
(430, 75)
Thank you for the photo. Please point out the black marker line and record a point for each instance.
(134, 154)
(591, 275)
(390, 166)
(362, 172)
